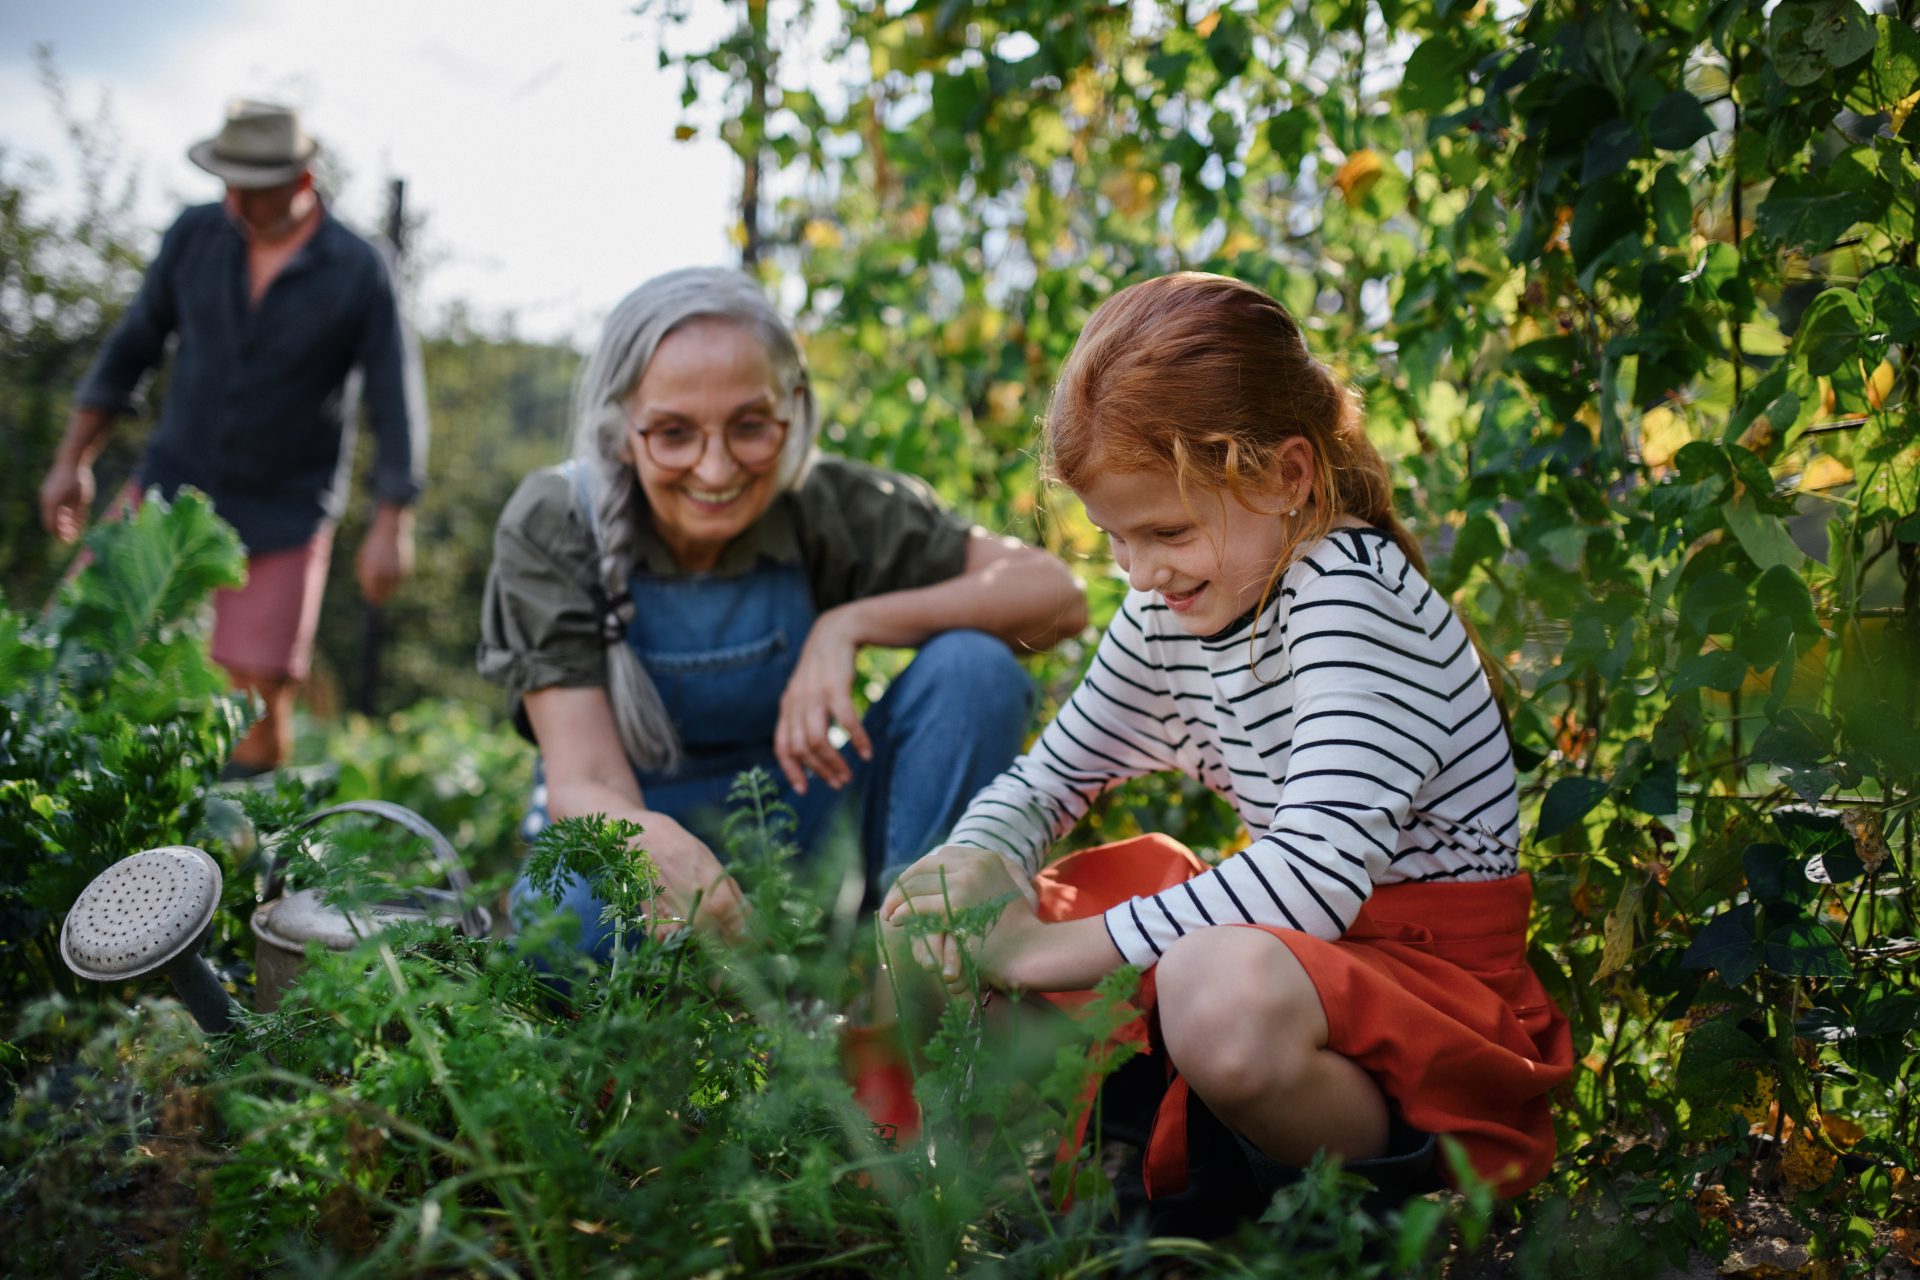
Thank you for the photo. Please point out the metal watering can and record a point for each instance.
(151, 913)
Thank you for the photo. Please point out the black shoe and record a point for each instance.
(1410, 1167)
(1221, 1192)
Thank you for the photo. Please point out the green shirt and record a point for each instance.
(856, 530)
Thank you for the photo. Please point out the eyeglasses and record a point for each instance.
(753, 441)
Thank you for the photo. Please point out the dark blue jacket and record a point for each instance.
(259, 401)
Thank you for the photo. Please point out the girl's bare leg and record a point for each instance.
(1244, 1025)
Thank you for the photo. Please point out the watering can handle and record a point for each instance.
(444, 855)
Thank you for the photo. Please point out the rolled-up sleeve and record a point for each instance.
(538, 628)
(137, 343)
(389, 360)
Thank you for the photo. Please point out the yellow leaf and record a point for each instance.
(1869, 838)
(1240, 241)
(1004, 400)
(887, 45)
(1618, 930)
(1131, 193)
(1205, 26)
(1662, 433)
(1901, 110)
(1843, 1131)
(1804, 1163)
(821, 233)
(684, 132)
(1758, 1108)
(1880, 385)
(1083, 96)
(1358, 174)
(1825, 472)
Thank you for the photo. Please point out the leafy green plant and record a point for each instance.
(112, 722)
(1627, 292)
(462, 770)
(430, 1102)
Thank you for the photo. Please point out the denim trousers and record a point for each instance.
(721, 650)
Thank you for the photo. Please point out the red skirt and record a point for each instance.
(1429, 991)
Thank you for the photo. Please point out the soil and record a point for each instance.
(1768, 1243)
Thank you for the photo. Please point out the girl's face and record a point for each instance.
(1209, 559)
(705, 376)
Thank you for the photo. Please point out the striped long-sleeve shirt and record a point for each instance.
(1349, 724)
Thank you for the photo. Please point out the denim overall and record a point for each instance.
(721, 650)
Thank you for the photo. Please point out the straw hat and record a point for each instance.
(261, 145)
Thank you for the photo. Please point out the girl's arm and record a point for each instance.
(1121, 722)
(1010, 590)
(588, 774)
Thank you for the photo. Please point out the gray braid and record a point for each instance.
(632, 333)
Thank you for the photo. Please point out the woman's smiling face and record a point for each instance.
(704, 375)
(1208, 559)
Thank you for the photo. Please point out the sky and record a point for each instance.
(535, 136)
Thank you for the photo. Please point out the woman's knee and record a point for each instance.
(978, 671)
(1239, 1015)
(531, 909)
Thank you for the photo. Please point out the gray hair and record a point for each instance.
(601, 449)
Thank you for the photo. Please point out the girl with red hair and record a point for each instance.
(1355, 980)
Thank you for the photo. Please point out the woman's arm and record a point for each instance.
(1018, 593)
(1008, 589)
(588, 774)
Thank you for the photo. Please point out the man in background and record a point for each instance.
(282, 320)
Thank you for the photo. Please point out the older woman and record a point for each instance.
(685, 598)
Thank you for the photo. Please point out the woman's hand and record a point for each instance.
(688, 871)
(953, 878)
(820, 694)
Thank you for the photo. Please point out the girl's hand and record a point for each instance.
(820, 694)
(953, 878)
(689, 871)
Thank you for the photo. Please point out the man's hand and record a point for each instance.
(66, 499)
(386, 556)
(688, 870)
(66, 495)
(819, 695)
